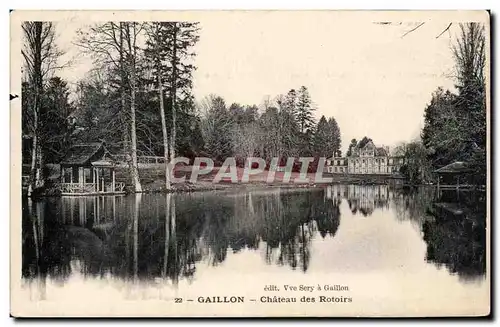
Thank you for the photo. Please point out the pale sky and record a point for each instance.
(373, 81)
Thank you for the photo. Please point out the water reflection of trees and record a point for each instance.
(166, 236)
(411, 204)
(149, 236)
(457, 242)
(456, 237)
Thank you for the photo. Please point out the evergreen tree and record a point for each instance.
(322, 139)
(304, 111)
(455, 125)
(171, 46)
(334, 140)
(217, 128)
(353, 144)
(305, 120)
(288, 128)
(58, 107)
(289, 102)
(440, 124)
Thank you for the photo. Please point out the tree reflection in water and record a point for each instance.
(165, 236)
(456, 237)
(144, 237)
(456, 241)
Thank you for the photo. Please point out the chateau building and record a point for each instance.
(365, 158)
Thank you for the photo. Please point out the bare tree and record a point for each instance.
(131, 33)
(469, 53)
(41, 56)
(115, 44)
(413, 29)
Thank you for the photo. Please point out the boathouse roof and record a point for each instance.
(454, 168)
(83, 154)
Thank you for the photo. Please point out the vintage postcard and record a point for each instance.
(250, 164)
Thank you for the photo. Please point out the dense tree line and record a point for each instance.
(455, 122)
(138, 99)
(41, 55)
(284, 127)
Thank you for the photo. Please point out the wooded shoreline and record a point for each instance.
(206, 183)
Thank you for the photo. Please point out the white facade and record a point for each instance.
(365, 160)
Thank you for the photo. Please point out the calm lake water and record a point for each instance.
(382, 243)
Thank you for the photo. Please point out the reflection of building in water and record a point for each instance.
(85, 210)
(362, 198)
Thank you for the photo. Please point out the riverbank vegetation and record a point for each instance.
(455, 120)
(138, 99)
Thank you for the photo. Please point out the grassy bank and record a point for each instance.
(153, 180)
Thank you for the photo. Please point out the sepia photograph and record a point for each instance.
(250, 163)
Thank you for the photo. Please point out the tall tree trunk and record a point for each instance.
(123, 95)
(132, 81)
(133, 146)
(32, 179)
(36, 177)
(162, 115)
(39, 178)
(165, 134)
(173, 94)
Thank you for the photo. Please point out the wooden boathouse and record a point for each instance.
(457, 175)
(89, 169)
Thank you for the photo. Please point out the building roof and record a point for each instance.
(380, 152)
(361, 144)
(80, 154)
(102, 163)
(454, 168)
